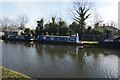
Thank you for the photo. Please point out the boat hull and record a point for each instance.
(17, 39)
(109, 44)
(57, 42)
(64, 40)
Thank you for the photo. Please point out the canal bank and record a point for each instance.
(10, 74)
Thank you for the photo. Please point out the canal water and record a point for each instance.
(60, 61)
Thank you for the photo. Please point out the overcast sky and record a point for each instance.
(36, 9)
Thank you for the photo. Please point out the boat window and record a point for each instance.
(73, 35)
(37, 36)
(44, 37)
(52, 38)
(119, 40)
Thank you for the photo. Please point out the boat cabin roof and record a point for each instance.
(14, 31)
(117, 38)
(54, 36)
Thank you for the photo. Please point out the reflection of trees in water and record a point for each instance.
(56, 50)
(95, 53)
(80, 58)
(67, 54)
(92, 51)
(24, 44)
(20, 45)
(52, 50)
(61, 50)
(107, 51)
(28, 44)
(39, 48)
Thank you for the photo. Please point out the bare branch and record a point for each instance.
(81, 12)
(22, 20)
(82, 9)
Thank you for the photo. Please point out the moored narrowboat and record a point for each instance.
(74, 39)
(15, 35)
(111, 43)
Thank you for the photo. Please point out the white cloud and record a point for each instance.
(36, 0)
(109, 12)
(119, 15)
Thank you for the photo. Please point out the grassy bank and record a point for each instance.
(90, 42)
(13, 75)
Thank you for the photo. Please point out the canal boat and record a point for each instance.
(16, 38)
(73, 39)
(15, 35)
(111, 43)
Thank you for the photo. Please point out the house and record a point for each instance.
(115, 32)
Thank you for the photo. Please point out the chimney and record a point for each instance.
(103, 24)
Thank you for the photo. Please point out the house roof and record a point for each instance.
(106, 27)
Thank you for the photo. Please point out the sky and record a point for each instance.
(37, 9)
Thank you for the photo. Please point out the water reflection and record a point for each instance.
(45, 60)
(25, 44)
(59, 50)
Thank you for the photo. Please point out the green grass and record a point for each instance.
(13, 75)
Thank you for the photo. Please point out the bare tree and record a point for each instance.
(13, 24)
(8, 24)
(82, 12)
(5, 23)
(97, 19)
(22, 21)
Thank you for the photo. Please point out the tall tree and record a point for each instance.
(52, 27)
(22, 21)
(27, 31)
(107, 33)
(97, 19)
(82, 12)
(88, 30)
(63, 29)
(74, 28)
(39, 28)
